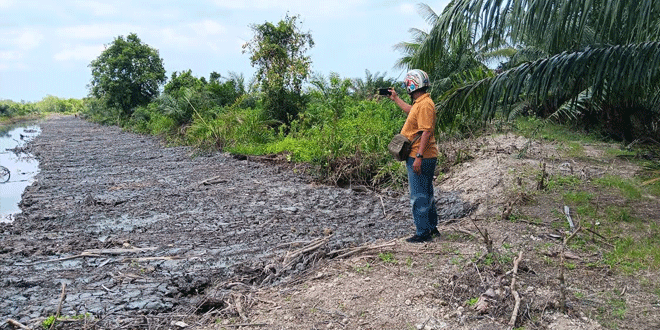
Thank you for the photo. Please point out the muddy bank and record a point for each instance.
(133, 227)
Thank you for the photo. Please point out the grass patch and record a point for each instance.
(577, 197)
(533, 127)
(632, 254)
(556, 182)
(49, 321)
(387, 258)
(575, 149)
(629, 188)
(619, 214)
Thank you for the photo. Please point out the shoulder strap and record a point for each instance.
(416, 138)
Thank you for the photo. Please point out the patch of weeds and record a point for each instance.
(560, 225)
(613, 153)
(456, 237)
(556, 182)
(487, 259)
(633, 254)
(472, 301)
(457, 260)
(535, 127)
(409, 262)
(578, 243)
(575, 150)
(506, 246)
(430, 266)
(547, 260)
(618, 307)
(619, 214)
(387, 258)
(569, 265)
(507, 258)
(48, 322)
(515, 217)
(628, 187)
(362, 269)
(577, 197)
(586, 210)
(578, 294)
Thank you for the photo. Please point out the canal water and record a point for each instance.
(17, 167)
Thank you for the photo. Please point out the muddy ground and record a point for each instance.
(133, 227)
(147, 236)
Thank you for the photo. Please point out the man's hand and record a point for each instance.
(417, 166)
(393, 94)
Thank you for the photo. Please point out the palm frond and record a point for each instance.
(428, 13)
(615, 67)
(575, 107)
(558, 24)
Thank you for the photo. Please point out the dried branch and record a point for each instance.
(514, 315)
(484, 234)
(59, 306)
(17, 324)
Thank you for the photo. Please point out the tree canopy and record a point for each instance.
(595, 50)
(127, 74)
(278, 53)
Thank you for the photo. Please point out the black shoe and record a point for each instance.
(418, 239)
(434, 232)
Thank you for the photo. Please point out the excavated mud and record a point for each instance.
(133, 227)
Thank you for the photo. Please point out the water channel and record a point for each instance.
(17, 167)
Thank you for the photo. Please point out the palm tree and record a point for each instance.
(597, 51)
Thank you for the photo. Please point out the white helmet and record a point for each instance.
(416, 79)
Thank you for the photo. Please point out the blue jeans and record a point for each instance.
(424, 211)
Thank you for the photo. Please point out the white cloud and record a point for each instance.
(79, 53)
(208, 27)
(21, 39)
(16, 45)
(319, 8)
(105, 32)
(10, 56)
(6, 3)
(205, 34)
(408, 9)
(96, 7)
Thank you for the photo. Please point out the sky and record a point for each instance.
(46, 46)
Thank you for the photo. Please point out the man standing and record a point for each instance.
(423, 156)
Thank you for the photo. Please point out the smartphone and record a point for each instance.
(384, 91)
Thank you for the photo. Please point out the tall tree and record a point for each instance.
(603, 48)
(278, 53)
(127, 74)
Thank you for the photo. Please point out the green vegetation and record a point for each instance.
(362, 269)
(472, 301)
(387, 258)
(49, 321)
(127, 74)
(629, 188)
(278, 52)
(549, 67)
(49, 104)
